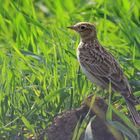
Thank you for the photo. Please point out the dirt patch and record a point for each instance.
(63, 126)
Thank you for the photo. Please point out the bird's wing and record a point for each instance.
(105, 68)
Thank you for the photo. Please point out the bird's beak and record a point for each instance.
(72, 27)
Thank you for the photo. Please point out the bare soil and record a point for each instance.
(62, 127)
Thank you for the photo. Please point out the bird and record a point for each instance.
(101, 67)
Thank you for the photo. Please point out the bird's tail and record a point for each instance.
(134, 113)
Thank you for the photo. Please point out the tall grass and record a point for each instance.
(39, 73)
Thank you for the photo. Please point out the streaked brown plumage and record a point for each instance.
(101, 67)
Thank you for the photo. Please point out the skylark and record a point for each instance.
(101, 67)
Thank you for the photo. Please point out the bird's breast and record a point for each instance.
(78, 54)
(88, 74)
(80, 48)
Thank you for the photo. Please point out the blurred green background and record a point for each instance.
(39, 73)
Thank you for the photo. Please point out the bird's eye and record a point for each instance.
(82, 27)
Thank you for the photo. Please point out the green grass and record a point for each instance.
(39, 73)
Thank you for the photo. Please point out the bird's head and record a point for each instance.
(86, 30)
